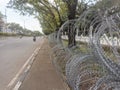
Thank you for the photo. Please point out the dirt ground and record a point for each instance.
(42, 75)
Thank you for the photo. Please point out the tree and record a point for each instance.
(106, 4)
(37, 33)
(27, 32)
(1, 21)
(14, 27)
(51, 14)
(71, 5)
(48, 14)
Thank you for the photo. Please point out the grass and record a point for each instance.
(83, 48)
(80, 47)
(11, 34)
(61, 61)
(109, 53)
(7, 34)
(65, 42)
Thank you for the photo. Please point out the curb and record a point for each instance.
(19, 78)
(62, 77)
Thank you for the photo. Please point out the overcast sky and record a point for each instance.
(12, 16)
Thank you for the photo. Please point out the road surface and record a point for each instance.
(14, 52)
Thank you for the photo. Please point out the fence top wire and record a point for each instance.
(97, 51)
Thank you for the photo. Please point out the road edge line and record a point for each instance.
(25, 68)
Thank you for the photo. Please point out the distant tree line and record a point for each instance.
(15, 28)
(1, 21)
(53, 13)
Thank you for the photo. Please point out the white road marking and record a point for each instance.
(23, 68)
(17, 86)
(28, 67)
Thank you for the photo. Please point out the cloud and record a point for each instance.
(4, 2)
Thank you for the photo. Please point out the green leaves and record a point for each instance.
(1, 21)
(50, 13)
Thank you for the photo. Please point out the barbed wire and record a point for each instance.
(94, 63)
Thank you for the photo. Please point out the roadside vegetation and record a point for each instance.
(14, 29)
(53, 13)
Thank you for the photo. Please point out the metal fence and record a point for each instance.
(94, 63)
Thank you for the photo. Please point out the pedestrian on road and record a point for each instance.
(34, 38)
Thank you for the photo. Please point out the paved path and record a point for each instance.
(42, 75)
(14, 52)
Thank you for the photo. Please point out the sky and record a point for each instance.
(12, 16)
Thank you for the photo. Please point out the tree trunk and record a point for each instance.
(71, 36)
(71, 15)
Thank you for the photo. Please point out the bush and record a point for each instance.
(7, 34)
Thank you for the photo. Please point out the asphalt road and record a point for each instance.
(14, 52)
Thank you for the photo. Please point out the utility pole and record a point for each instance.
(24, 24)
(5, 20)
(6, 14)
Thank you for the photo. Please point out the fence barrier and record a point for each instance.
(94, 62)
